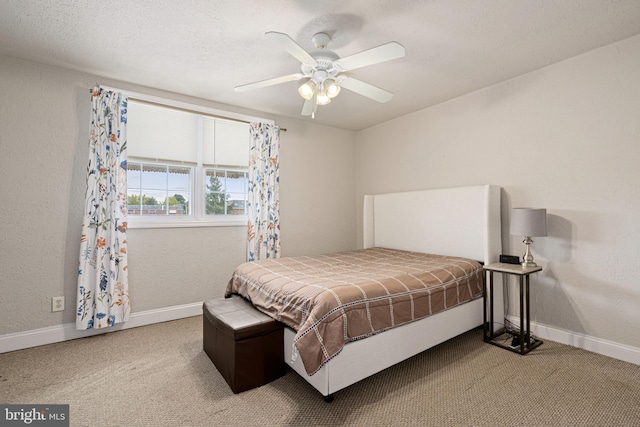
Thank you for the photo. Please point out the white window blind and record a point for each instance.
(162, 133)
(165, 133)
(225, 142)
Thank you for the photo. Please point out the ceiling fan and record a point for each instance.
(325, 73)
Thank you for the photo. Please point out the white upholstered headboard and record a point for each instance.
(462, 221)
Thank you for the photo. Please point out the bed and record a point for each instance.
(446, 231)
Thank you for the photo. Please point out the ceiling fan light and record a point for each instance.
(322, 98)
(307, 89)
(332, 88)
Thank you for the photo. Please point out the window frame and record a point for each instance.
(198, 218)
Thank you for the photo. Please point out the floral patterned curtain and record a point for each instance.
(103, 295)
(263, 228)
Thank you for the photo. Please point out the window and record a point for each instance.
(226, 192)
(185, 167)
(154, 189)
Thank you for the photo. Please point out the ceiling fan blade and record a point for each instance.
(365, 89)
(269, 82)
(310, 107)
(288, 44)
(386, 52)
(307, 107)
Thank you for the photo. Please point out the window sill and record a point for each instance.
(240, 221)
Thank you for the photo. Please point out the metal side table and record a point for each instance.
(526, 342)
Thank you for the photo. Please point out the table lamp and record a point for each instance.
(528, 222)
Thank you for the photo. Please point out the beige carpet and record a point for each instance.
(158, 375)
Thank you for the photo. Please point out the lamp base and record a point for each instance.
(527, 259)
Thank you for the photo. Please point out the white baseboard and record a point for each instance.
(53, 334)
(68, 331)
(585, 342)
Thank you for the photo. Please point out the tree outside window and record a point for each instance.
(216, 199)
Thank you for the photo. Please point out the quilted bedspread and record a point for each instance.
(332, 299)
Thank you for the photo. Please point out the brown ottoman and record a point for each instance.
(245, 345)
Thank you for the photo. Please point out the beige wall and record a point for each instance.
(565, 138)
(317, 174)
(44, 117)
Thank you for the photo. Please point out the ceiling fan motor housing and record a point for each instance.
(322, 70)
(321, 40)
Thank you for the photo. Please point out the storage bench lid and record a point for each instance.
(237, 318)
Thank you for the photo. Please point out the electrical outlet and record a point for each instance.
(57, 304)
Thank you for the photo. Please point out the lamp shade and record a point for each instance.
(331, 87)
(307, 89)
(529, 222)
(322, 98)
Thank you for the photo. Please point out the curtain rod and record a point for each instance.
(160, 104)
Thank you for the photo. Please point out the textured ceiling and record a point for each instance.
(204, 48)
